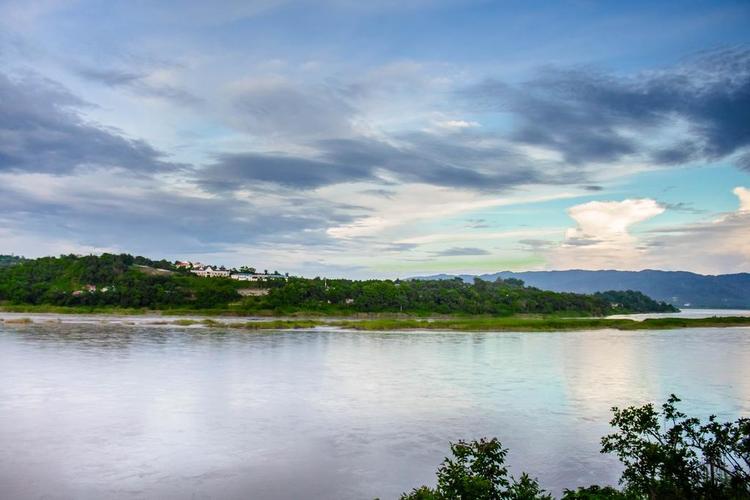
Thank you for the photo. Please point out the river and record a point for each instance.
(113, 411)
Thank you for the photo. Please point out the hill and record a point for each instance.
(127, 281)
(679, 288)
(110, 280)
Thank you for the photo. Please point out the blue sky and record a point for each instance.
(386, 139)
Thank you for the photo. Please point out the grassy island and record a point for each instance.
(460, 324)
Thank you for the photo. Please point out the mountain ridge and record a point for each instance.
(679, 288)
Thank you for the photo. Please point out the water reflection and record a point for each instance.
(88, 411)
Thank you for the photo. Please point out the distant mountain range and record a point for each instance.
(682, 289)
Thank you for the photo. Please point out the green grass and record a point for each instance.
(480, 324)
(394, 321)
(542, 324)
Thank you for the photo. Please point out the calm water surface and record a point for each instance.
(88, 411)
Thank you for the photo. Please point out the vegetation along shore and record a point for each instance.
(112, 283)
(466, 324)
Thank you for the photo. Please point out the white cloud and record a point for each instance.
(609, 221)
(603, 239)
(743, 194)
(411, 206)
(456, 124)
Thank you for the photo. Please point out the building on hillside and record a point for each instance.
(256, 276)
(183, 265)
(211, 272)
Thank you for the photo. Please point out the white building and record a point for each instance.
(211, 272)
(256, 276)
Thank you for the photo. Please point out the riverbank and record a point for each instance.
(383, 323)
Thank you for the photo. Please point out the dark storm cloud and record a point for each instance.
(41, 131)
(459, 251)
(588, 116)
(414, 158)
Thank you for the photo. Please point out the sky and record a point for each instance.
(379, 139)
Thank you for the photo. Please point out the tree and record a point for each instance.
(681, 458)
(477, 471)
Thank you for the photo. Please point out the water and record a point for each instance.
(92, 411)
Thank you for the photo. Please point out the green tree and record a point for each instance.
(665, 454)
(680, 458)
(477, 471)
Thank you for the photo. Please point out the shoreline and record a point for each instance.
(384, 323)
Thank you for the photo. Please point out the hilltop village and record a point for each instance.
(244, 273)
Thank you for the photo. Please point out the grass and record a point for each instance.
(543, 324)
(395, 321)
(479, 324)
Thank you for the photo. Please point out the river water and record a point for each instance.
(93, 411)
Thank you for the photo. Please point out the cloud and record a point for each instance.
(694, 112)
(414, 158)
(277, 107)
(41, 130)
(453, 125)
(106, 209)
(683, 207)
(602, 238)
(535, 244)
(147, 83)
(459, 251)
(603, 221)
(720, 245)
(476, 224)
(743, 194)
(242, 170)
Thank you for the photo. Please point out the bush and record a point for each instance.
(681, 459)
(477, 471)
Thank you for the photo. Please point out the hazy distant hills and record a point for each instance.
(682, 289)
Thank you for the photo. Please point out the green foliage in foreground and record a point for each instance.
(678, 459)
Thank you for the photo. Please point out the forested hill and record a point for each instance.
(128, 281)
(682, 289)
(109, 280)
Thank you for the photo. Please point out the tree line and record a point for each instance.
(133, 281)
(501, 297)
